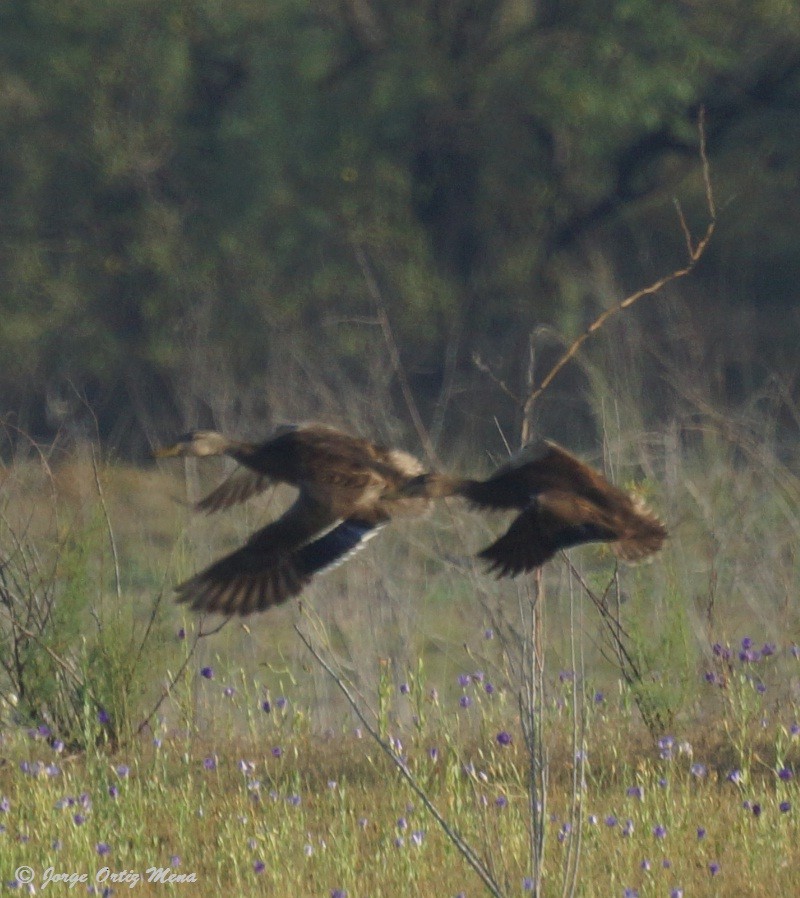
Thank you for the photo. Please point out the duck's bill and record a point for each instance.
(168, 451)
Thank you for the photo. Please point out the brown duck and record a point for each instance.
(348, 489)
(562, 503)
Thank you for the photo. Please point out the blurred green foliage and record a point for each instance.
(190, 187)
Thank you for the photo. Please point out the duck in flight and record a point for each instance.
(348, 489)
(561, 503)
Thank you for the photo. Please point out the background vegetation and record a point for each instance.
(208, 209)
(393, 217)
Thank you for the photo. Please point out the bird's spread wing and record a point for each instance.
(238, 487)
(550, 522)
(277, 562)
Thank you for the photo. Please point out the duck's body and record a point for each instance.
(349, 488)
(562, 503)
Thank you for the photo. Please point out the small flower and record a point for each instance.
(102, 848)
(207, 672)
(113, 791)
(713, 868)
(122, 771)
(676, 893)
(630, 893)
(599, 698)
(78, 819)
(281, 702)
(735, 776)
(433, 753)
(259, 866)
(795, 650)
(488, 633)
(266, 707)
(504, 738)
(501, 801)
(181, 634)
(627, 829)
(338, 893)
(785, 774)
(228, 691)
(5, 804)
(402, 823)
(58, 746)
(768, 649)
(277, 751)
(747, 643)
(417, 836)
(635, 792)
(756, 809)
(404, 689)
(592, 819)
(464, 680)
(784, 807)
(294, 800)
(611, 820)
(210, 763)
(103, 716)
(488, 688)
(465, 701)
(175, 861)
(527, 884)
(699, 770)
(659, 831)
(701, 832)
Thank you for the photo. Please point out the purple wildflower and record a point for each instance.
(5, 804)
(102, 848)
(113, 791)
(635, 792)
(103, 716)
(701, 832)
(699, 770)
(281, 702)
(527, 884)
(785, 774)
(338, 893)
(504, 738)
(465, 701)
(488, 688)
(207, 672)
(598, 698)
(404, 689)
(659, 831)
(228, 691)
(488, 633)
(175, 861)
(735, 776)
(181, 633)
(277, 751)
(266, 707)
(756, 809)
(122, 771)
(210, 763)
(259, 866)
(713, 868)
(784, 807)
(501, 801)
(627, 829)
(676, 893)
(78, 819)
(464, 680)
(611, 820)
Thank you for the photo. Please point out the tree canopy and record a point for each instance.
(203, 201)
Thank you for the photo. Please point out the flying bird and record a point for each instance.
(561, 502)
(348, 489)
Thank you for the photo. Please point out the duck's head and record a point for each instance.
(196, 444)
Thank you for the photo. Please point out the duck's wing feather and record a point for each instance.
(277, 562)
(551, 521)
(240, 486)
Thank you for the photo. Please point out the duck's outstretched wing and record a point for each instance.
(239, 486)
(551, 522)
(277, 562)
(558, 520)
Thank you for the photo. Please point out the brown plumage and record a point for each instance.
(348, 489)
(562, 503)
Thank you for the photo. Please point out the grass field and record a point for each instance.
(253, 776)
